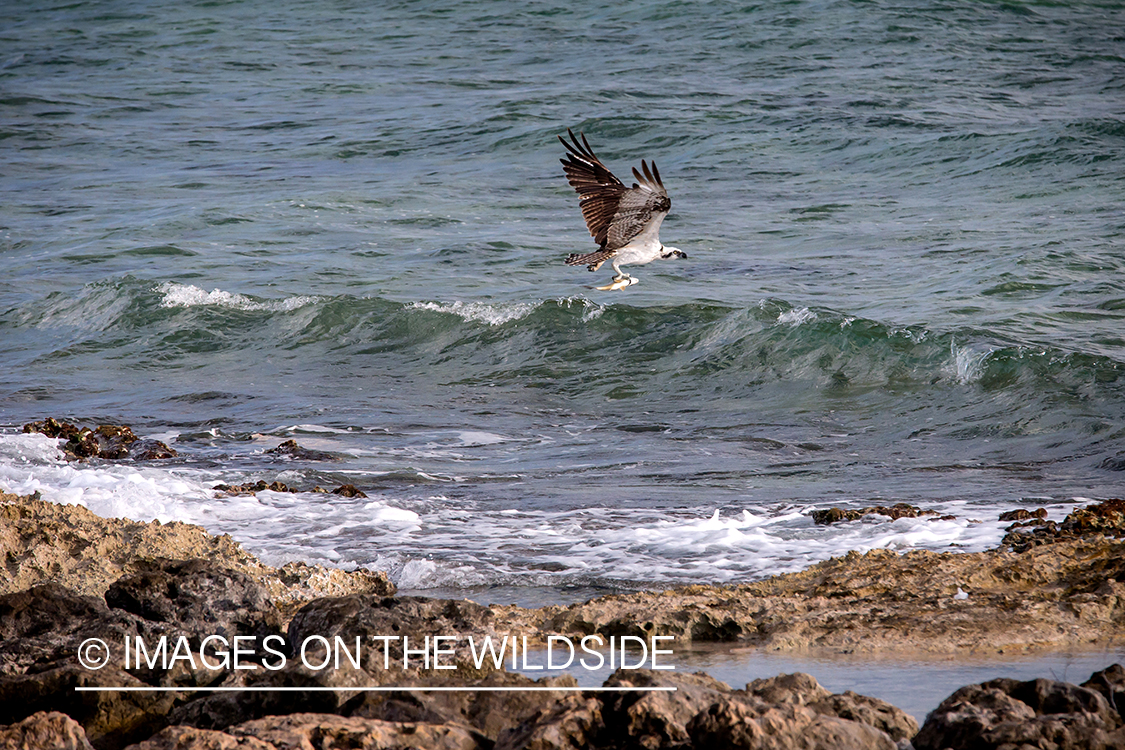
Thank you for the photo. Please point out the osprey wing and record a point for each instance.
(641, 206)
(599, 192)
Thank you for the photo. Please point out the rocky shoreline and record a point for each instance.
(71, 576)
(116, 634)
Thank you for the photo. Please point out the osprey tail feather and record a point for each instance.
(592, 261)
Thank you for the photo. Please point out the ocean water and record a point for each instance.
(229, 224)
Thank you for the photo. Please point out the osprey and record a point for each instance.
(624, 221)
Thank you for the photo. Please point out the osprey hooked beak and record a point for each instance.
(672, 252)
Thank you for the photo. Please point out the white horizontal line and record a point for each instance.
(381, 689)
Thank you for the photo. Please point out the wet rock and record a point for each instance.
(292, 450)
(1008, 713)
(104, 441)
(322, 731)
(1023, 514)
(1106, 518)
(250, 488)
(744, 721)
(197, 597)
(348, 490)
(46, 729)
(572, 723)
(44, 542)
(896, 511)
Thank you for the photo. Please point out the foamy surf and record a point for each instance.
(450, 540)
(189, 295)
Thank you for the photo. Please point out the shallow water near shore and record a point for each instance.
(230, 225)
(915, 684)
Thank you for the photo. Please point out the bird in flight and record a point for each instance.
(624, 221)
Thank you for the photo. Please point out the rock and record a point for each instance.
(104, 441)
(250, 488)
(891, 720)
(1023, 514)
(46, 729)
(220, 710)
(1110, 682)
(798, 689)
(656, 719)
(489, 712)
(365, 615)
(1010, 714)
(348, 490)
(896, 511)
(745, 721)
(292, 450)
(198, 598)
(45, 625)
(44, 542)
(320, 731)
(1059, 595)
(110, 719)
(570, 724)
(1106, 518)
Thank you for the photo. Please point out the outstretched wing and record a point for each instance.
(640, 206)
(599, 192)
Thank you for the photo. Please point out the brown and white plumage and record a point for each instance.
(624, 221)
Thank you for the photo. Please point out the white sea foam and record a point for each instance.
(796, 316)
(495, 314)
(966, 363)
(430, 540)
(188, 295)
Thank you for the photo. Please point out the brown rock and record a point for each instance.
(656, 719)
(1023, 514)
(42, 542)
(190, 738)
(572, 723)
(348, 490)
(104, 441)
(1106, 518)
(1110, 682)
(46, 729)
(290, 449)
(1010, 714)
(893, 721)
(745, 722)
(896, 511)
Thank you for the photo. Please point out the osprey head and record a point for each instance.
(667, 251)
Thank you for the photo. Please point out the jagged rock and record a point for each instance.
(1106, 518)
(220, 710)
(45, 625)
(489, 712)
(1058, 595)
(46, 729)
(249, 488)
(365, 615)
(1010, 714)
(1110, 682)
(292, 450)
(110, 719)
(197, 597)
(1023, 514)
(320, 731)
(896, 511)
(349, 490)
(798, 689)
(893, 721)
(104, 441)
(656, 719)
(743, 721)
(44, 542)
(572, 723)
